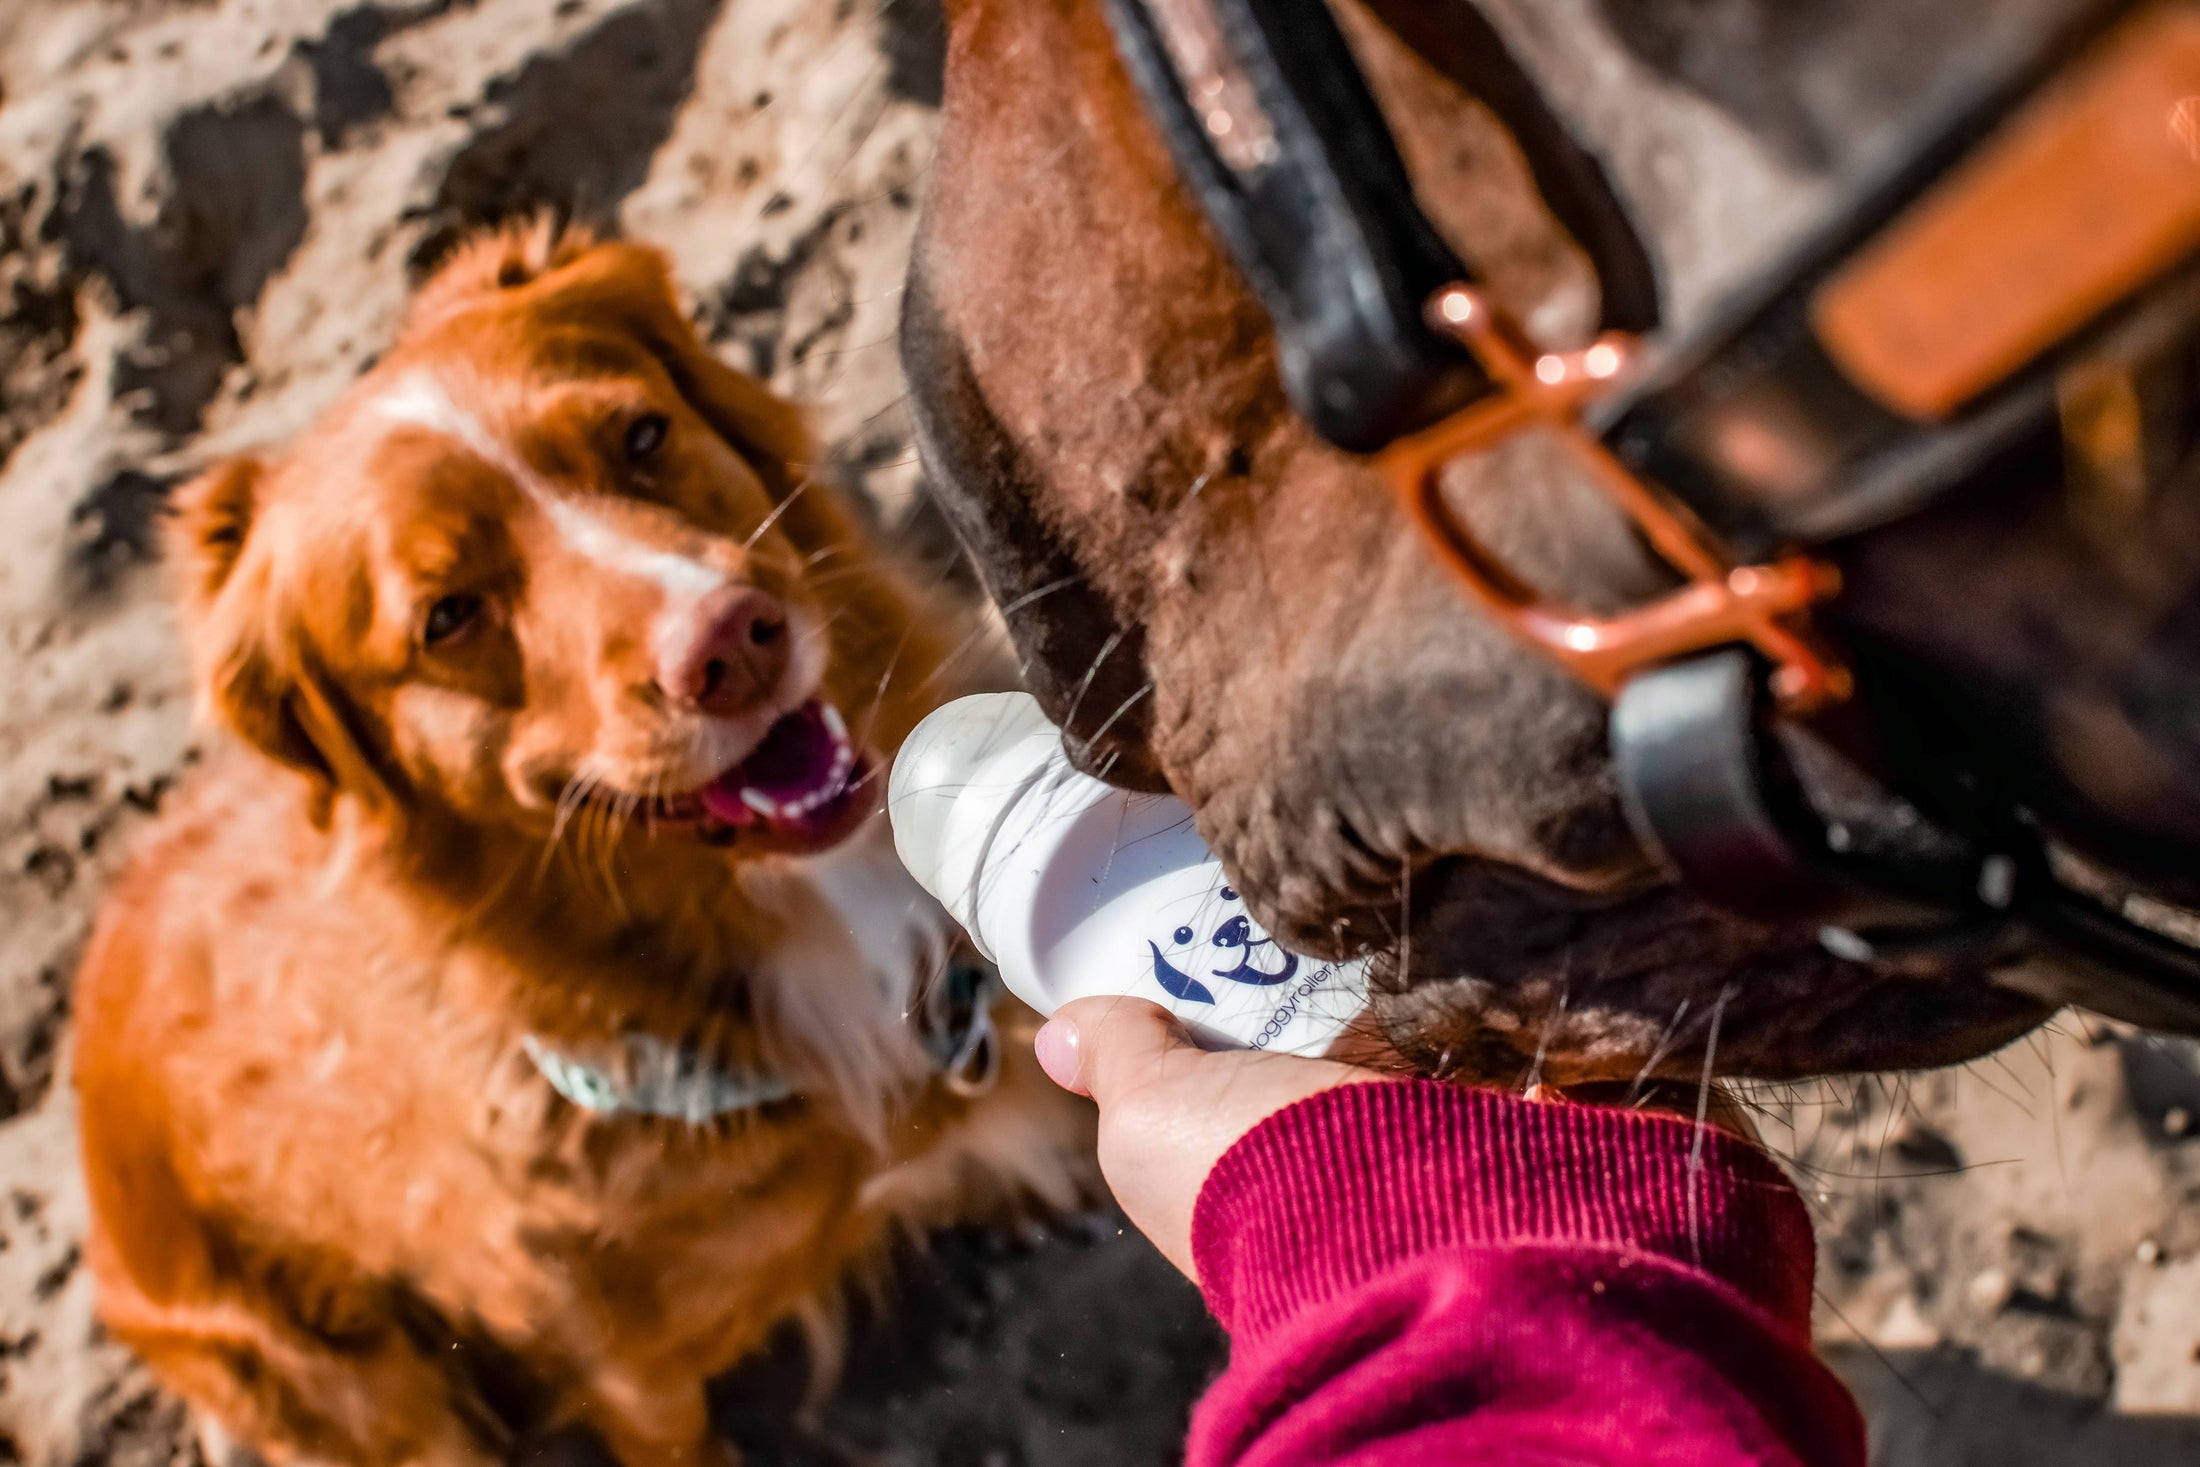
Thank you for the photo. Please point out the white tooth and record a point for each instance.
(762, 804)
(835, 724)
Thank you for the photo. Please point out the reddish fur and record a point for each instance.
(333, 1203)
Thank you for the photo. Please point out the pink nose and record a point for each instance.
(727, 654)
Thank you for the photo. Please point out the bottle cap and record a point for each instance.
(958, 775)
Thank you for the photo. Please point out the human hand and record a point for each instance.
(1169, 1109)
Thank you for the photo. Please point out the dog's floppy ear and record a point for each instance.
(252, 675)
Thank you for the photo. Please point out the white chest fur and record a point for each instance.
(834, 1001)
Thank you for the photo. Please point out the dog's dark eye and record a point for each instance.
(1182, 934)
(448, 617)
(645, 435)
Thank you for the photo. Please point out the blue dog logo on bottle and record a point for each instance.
(1235, 934)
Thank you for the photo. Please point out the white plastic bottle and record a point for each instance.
(1075, 888)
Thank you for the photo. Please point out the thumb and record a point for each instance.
(1095, 1046)
(1169, 1109)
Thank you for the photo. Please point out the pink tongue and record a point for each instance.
(797, 755)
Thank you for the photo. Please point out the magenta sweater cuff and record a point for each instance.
(1342, 1187)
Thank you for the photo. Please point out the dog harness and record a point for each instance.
(646, 1075)
(2002, 299)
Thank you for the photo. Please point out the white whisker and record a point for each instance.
(777, 510)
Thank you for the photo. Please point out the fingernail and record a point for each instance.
(1056, 1043)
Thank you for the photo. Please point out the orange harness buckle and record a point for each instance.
(1763, 606)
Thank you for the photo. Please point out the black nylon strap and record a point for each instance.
(1325, 229)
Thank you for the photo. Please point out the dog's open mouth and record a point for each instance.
(806, 787)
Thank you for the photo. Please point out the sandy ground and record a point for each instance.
(209, 212)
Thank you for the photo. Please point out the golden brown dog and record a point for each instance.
(517, 1027)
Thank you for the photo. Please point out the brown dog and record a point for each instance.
(518, 1027)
